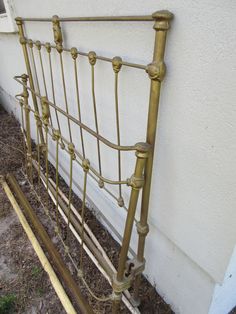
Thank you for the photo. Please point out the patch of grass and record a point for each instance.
(36, 271)
(7, 304)
(40, 292)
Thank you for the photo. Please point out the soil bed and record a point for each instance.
(22, 278)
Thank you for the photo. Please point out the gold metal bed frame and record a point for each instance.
(129, 270)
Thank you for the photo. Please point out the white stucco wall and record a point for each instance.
(192, 207)
(223, 301)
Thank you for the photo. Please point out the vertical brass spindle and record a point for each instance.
(92, 60)
(47, 169)
(65, 96)
(58, 41)
(38, 125)
(31, 45)
(156, 72)
(116, 64)
(23, 130)
(45, 117)
(120, 283)
(38, 45)
(86, 165)
(23, 42)
(74, 54)
(48, 48)
(71, 149)
(57, 138)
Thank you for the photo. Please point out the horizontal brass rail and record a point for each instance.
(86, 54)
(83, 126)
(122, 18)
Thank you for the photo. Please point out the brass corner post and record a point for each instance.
(23, 43)
(156, 72)
(121, 282)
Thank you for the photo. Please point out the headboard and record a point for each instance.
(42, 109)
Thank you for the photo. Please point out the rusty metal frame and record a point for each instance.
(128, 272)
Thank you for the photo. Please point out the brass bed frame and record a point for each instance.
(129, 270)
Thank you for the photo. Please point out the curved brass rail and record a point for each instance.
(83, 126)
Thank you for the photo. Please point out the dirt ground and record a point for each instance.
(24, 286)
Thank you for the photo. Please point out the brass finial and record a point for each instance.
(57, 33)
(30, 43)
(135, 182)
(156, 71)
(23, 40)
(162, 19)
(24, 78)
(45, 110)
(92, 57)
(74, 52)
(116, 64)
(18, 20)
(48, 47)
(120, 201)
(71, 149)
(101, 183)
(38, 44)
(57, 135)
(86, 165)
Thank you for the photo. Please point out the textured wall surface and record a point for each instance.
(192, 207)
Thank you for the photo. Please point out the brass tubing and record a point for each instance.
(130, 218)
(23, 130)
(123, 18)
(161, 26)
(48, 48)
(85, 54)
(38, 123)
(92, 61)
(83, 219)
(53, 253)
(57, 183)
(43, 75)
(75, 223)
(74, 56)
(72, 157)
(47, 169)
(23, 42)
(136, 184)
(42, 69)
(83, 126)
(116, 64)
(35, 69)
(65, 96)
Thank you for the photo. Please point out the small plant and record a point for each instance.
(7, 303)
(36, 271)
(40, 292)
